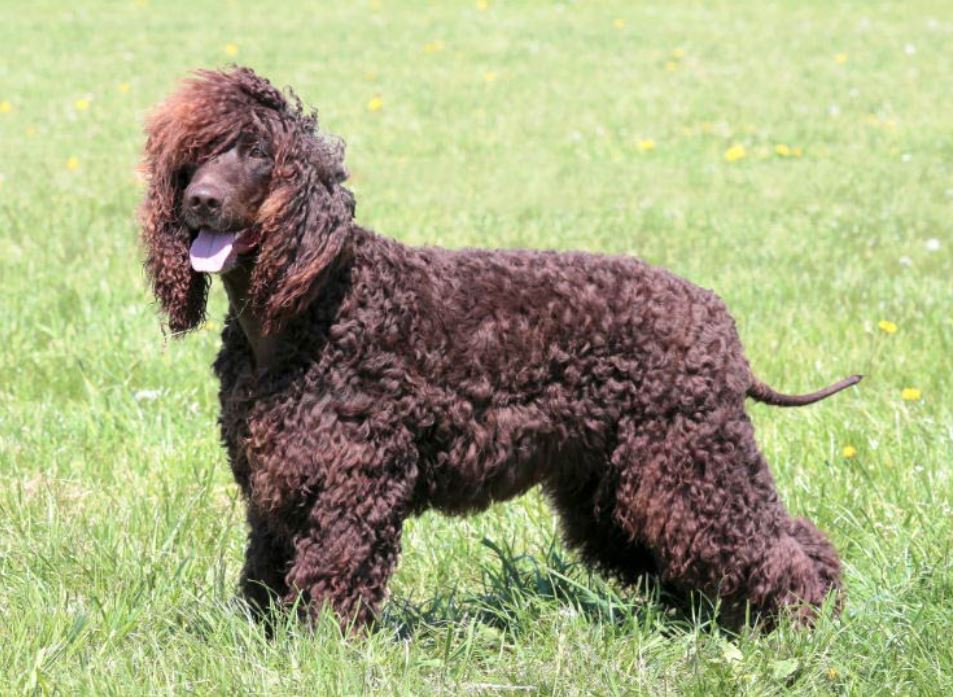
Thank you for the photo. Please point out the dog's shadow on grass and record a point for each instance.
(520, 587)
(517, 590)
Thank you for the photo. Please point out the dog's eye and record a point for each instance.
(258, 150)
(183, 176)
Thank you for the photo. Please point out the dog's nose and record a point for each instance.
(204, 200)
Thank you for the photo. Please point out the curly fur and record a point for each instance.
(414, 378)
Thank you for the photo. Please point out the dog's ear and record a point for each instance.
(305, 224)
(180, 291)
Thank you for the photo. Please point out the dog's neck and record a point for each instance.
(237, 282)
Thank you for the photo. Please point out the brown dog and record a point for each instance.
(363, 381)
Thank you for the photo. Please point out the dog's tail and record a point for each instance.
(762, 393)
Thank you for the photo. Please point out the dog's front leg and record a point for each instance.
(267, 558)
(349, 544)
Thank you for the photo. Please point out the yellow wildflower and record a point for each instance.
(735, 153)
(646, 144)
(489, 76)
(678, 53)
(910, 394)
(375, 104)
(840, 58)
(5, 107)
(849, 451)
(832, 673)
(878, 122)
(482, 5)
(81, 104)
(231, 49)
(782, 150)
(887, 326)
(72, 163)
(671, 66)
(797, 152)
(618, 23)
(434, 47)
(124, 87)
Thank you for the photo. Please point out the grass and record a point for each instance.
(519, 125)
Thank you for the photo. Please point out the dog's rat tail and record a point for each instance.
(763, 393)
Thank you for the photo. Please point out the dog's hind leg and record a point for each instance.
(695, 490)
(585, 506)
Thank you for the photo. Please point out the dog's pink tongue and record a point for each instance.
(211, 251)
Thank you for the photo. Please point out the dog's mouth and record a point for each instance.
(218, 252)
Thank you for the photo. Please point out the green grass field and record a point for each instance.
(795, 156)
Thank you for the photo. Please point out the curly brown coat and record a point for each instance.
(400, 379)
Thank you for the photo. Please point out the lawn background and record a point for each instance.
(601, 126)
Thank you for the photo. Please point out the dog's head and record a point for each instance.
(238, 174)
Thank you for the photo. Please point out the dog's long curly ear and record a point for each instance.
(180, 291)
(305, 224)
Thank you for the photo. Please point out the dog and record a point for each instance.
(364, 381)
